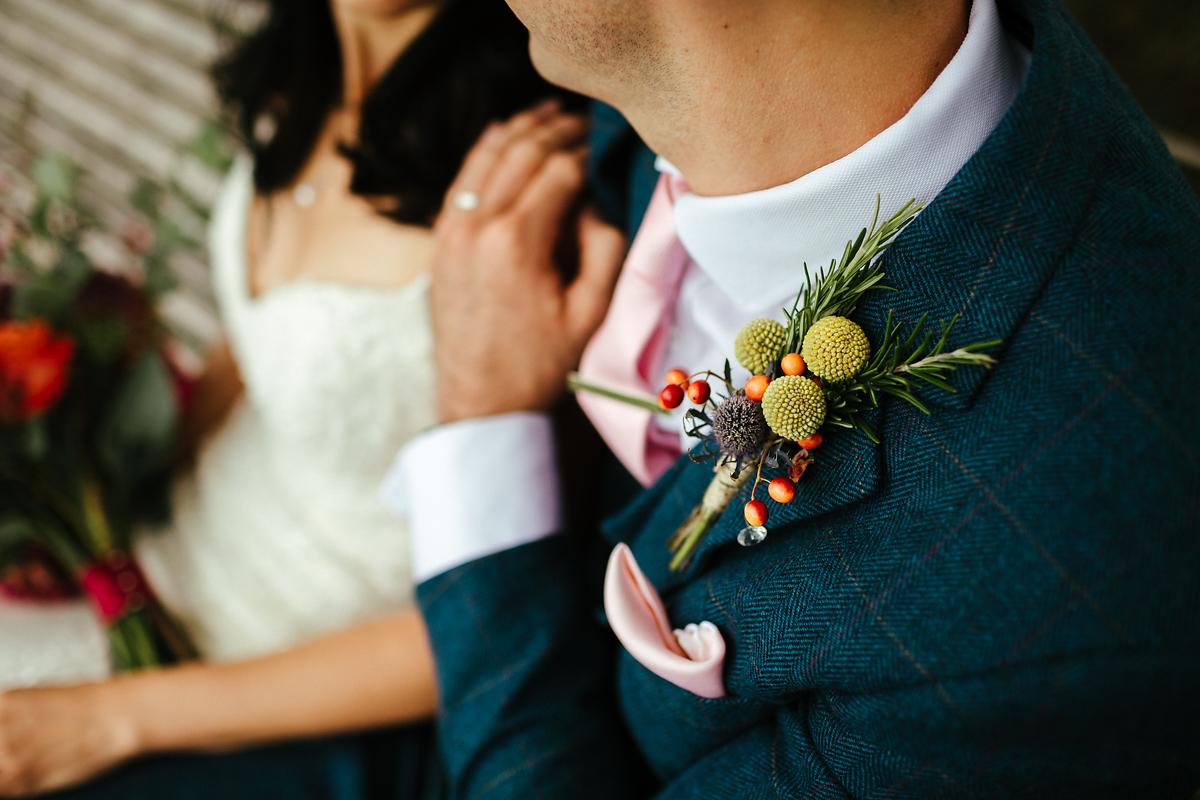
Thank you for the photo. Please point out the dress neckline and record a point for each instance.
(240, 210)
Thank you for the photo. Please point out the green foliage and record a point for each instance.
(55, 176)
(211, 146)
(102, 338)
(839, 290)
(14, 532)
(146, 197)
(137, 434)
(897, 368)
(50, 293)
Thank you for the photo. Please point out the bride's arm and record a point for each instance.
(218, 388)
(374, 674)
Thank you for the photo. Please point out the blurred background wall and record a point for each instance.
(1155, 47)
(120, 87)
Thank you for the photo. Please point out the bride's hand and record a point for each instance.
(507, 327)
(59, 737)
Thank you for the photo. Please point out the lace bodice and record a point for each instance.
(341, 376)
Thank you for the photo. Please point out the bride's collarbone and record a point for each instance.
(346, 245)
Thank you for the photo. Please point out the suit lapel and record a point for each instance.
(986, 247)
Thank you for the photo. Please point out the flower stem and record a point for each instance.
(122, 656)
(690, 536)
(171, 633)
(577, 384)
(137, 629)
(95, 519)
(758, 478)
(717, 497)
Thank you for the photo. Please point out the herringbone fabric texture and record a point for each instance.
(1001, 600)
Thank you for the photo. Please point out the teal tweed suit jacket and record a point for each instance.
(1000, 600)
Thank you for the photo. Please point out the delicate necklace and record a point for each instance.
(304, 194)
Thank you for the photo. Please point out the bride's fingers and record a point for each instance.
(473, 174)
(524, 155)
(483, 156)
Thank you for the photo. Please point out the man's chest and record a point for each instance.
(936, 555)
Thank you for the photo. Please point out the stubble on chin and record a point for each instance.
(606, 49)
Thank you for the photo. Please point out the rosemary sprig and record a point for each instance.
(897, 367)
(859, 270)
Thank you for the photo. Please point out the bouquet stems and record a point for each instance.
(95, 518)
(143, 634)
(132, 643)
(172, 636)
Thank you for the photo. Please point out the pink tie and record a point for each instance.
(629, 343)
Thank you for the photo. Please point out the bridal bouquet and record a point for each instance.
(89, 404)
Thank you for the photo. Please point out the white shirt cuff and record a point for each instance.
(476, 487)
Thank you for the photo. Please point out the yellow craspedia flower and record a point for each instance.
(794, 407)
(758, 344)
(835, 349)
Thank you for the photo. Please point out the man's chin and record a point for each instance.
(556, 70)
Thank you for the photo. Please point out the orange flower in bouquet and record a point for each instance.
(34, 365)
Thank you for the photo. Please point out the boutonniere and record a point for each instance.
(812, 373)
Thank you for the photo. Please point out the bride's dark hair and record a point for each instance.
(468, 67)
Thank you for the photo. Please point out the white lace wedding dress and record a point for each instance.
(278, 534)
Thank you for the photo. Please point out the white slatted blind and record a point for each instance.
(121, 87)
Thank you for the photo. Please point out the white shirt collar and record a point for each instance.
(752, 246)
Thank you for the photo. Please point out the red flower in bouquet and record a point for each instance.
(34, 368)
(34, 575)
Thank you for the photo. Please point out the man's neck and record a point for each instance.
(370, 42)
(760, 99)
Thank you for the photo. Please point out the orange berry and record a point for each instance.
(782, 490)
(756, 387)
(698, 392)
(755, 513)
(793, 364)
(812, 442)
(671, 396)
(677, 377)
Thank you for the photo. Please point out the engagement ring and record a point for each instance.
(466, 201)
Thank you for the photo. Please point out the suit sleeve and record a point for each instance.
(524, 668)
(524, 665)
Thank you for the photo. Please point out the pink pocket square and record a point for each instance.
(691, 658)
